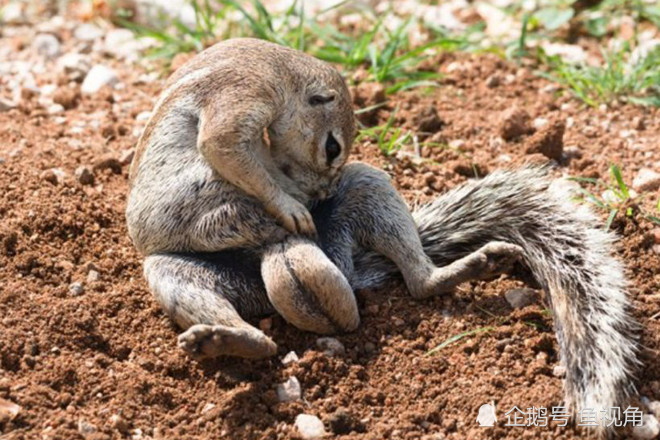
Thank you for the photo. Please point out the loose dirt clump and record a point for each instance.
(86, 353)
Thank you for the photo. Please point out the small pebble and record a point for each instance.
(93, 276)
(98, 77)
(46, 45)
(654, 408)
(514, 123)
(341, 422)
(646, 180)
(85, 428)
(74, 65)
(8, 409)
(87, 32)
(118, 423)
(369, 347)
(6, 105)
(127, 157)
(649, 430)
(108, 162)
(309, 426)
(519, 298)
(493, 81)
(84, 175)
(331, 346)
(290, 358)
(54, 176)
(208, 407)
(289, 391)
(76, 289)
(559, 371)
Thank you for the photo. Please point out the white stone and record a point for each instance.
(54, 109)
(8, 409)
(289, 391)
(569, 53)
(309, 426)
(46, 45)
(93, 276)
(649, 429)
(290, 358)
(98, 77)
(610, 197)
(646, 180)
(76, 289)
(208, 407)
(143, 116)
(74, 65)
(85, 428)
(87, 32)
(654, 407)
(13, 13)
(559, 371)
(121, 43)
(331, 346)
(540, 123)
(6, 105)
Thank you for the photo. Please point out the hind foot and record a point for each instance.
(500, 258)
(493, 258)
(208, 341)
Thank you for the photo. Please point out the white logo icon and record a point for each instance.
(486, 415)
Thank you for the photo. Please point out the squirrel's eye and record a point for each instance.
(320, 99)
(332, 148)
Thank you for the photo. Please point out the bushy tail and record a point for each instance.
(567, 251)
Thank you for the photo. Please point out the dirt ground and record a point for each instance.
(103, 363)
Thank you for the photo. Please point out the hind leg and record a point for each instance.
(307, 289)
(207, 297)
(368, 211)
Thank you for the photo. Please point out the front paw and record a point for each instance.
(293, 215)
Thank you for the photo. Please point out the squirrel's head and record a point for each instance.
(312, 138)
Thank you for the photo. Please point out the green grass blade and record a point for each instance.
(616, 173)
(458, 337)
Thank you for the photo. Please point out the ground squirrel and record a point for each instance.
(242, 204)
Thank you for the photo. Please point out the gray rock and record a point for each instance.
(646, 180)
(98, 77)
(519, 298)
(309, 426)
(46, 45)
(76, 289)
(289, 391)
(649, 429)
(331, 346)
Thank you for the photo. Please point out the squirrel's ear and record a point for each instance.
(322, 98)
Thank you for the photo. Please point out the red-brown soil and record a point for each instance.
(108, 357)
